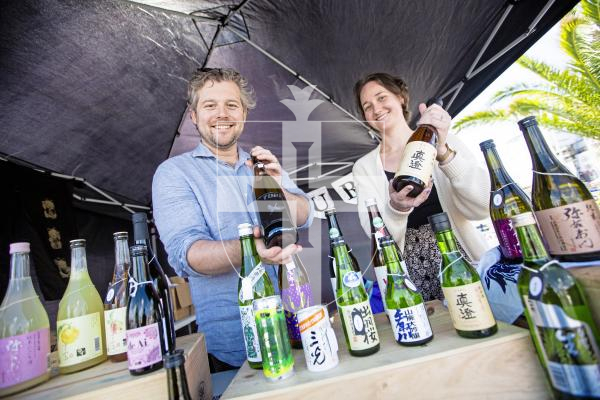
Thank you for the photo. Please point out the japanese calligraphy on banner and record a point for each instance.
(321, 201)
(345, 188)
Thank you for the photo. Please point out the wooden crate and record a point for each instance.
(111, 380)
(589, 279)
(503, 366)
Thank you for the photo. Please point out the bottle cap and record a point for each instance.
(527, 121)
(174, 359)
(439, 222)
(370, 202)
(527, 218)
(330, 211)
(77, 243)
(435, 100)
(139, 217)
(487, 144)
(19, 247)
(245, 229)
(138, 250)
(120, 235)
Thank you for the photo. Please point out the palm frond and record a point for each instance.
(591, 9)
(574, 43)
(480, 118)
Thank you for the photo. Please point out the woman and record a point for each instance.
(459, 186)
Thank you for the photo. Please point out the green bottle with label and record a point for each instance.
(561, 326)
(352, 300)
(253, 284)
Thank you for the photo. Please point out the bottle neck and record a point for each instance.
(78, 261)
(343, 262)
(447, 245)
(178, 386)
(249, 254)
(532, 246)
(542, 157)
(498, 175)
(374, 213)
(392, 259)
(19, 266)
(140, 268)
(333, 222)
(121, 258)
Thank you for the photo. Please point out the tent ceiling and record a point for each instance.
(97, 89)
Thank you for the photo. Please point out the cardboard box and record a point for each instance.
(112, 380)
(589, 279)
(181, 298)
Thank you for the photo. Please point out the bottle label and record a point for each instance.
(79, 339)
(469, 308)
(294, 298)
(271, 206)
(509, 243)
(250, 334)
(115, 326)
(410, 324)
(381, 274)
(417, 160)
(571, 229)
(497, 199)
(567, 347)
(351, 279)
(24, 357)
(143, 346)
(359, 325)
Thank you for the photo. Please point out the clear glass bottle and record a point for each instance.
(253, 284)
(561, 325)
(24, 329)
(80, 319)
(468, 305)
(115, 303)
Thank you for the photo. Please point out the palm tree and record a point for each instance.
(568, 100)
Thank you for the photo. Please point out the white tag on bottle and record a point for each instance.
(290, 266)
(246, 291)
(256, 273)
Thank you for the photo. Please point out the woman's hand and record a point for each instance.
(275, 255)
(269, 160)
(437, 117)
(400, 200)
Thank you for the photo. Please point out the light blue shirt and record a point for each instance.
(195, 196)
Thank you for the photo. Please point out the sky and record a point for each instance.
(507, 136)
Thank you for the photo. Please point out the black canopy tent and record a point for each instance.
(97, 90)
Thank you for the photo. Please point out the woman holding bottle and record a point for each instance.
(457, 185)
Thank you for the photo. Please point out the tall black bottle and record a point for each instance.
(158, 276)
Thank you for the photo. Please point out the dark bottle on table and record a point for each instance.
(353, 305)
(564, 207)
(416, 164)
(562, 329)
(467, 303)
(276, 221)
(507, 199)
(334, 232)
(159, 278)
(145, 343)
(176, 376)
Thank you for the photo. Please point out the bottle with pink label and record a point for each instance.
(24, 329)
(296, 294)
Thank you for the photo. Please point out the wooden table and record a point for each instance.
(503, 366)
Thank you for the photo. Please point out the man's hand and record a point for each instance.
(271, 163)
(275, 255)
(437, 117)
(400, 200)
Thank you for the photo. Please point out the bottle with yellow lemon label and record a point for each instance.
(80, 319)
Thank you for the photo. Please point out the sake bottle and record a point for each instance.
(416, 164)
(24, 329)
(566, 211)
(404, 304)
(253, 284)
(115, 303)
(353, 305)
(160, 280)
(334, 232)
(378, 231)
(276, 221)
(468, 305)
(145, 343)
(562, 329)
(176, 376)
(80, 319)
(507, 199)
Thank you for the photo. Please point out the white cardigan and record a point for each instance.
(463, 188)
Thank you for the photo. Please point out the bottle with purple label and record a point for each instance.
(24, 329)
(507, 199)
(296, 294)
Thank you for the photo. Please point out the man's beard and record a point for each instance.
(212, 140)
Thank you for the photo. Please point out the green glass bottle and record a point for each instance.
(562, 329)
(334, 232)
(353, 304)
(467, 303)
(565, 209)
(404, 303)
(254, 284)
(507, 199)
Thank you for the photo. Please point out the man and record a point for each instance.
(200, 198)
